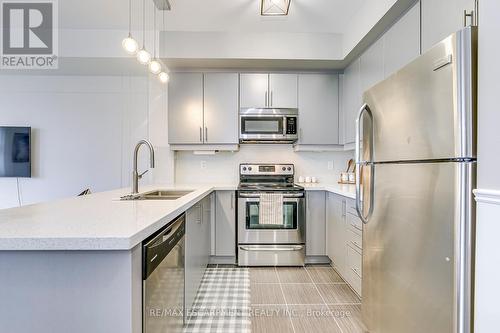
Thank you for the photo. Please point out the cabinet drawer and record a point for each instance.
(354, 223)
(354, 240)
(351, 207)
(354, 270)
(354, 260)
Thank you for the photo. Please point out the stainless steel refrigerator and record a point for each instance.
(416, 148)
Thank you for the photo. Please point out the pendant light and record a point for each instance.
(163, 76)
(154, 65)
(274, 7)
(143, 56)
(130, 44)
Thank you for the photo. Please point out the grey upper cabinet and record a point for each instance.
(282, 91)
(441, 18)
(319, 109)
(220, 104)
(203, 109)
(372, 65)
(225, 224)
(402, 41)
(351, 100)
(315, 223)
(254, 90)
(185, 108)
(268, 90)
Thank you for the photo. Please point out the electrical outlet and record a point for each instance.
(203, 165)
(330, 165)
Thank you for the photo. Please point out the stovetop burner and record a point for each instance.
(268, 177)
(270, 187)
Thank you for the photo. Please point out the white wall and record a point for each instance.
(488, 194)
(84, 129)
(223, 167)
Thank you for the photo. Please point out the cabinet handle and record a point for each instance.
(201, 134)
(265, 99)
(232, 201)
(356, 271)
(206, 134)
(271, 98)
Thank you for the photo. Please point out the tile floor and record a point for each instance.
(298, 299)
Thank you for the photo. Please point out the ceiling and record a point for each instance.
(315, 16)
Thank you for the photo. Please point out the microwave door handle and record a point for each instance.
(284, 125)
(361, 164)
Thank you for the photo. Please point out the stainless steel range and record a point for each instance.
(271, 216)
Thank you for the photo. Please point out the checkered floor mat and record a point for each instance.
(222, 304)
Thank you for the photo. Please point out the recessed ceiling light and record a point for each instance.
(274, 7)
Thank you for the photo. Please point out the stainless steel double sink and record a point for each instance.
(157, 195)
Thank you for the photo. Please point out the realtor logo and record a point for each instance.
(29, 34)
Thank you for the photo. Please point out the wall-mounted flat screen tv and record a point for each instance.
(15, 151)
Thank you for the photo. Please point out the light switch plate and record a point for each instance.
(203, 165)
(330, 165)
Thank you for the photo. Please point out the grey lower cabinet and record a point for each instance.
(344, 239)
(225, 225)
(441, 18)
(315, 226)
(197, 247)
(319, 109)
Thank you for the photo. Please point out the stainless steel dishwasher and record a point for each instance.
(163, 279)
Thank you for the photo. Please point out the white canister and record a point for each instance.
(344, 177)
(301, 179)
(314, 180)
(308, 179)
(352, 177)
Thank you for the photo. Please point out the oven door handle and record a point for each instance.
(272, 249)
(285, 200)
(257, 196)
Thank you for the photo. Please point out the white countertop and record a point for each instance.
(95, 222)
(345, 190)
(101, 222)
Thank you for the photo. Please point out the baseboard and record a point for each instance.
(223, 260)
(317, 260)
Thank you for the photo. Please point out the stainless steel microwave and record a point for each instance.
(268, 125)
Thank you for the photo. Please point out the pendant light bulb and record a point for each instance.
(163, 77)
(143, 56)
(154, 67)
(130, 45)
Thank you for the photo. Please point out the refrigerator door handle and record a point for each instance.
(361, 164)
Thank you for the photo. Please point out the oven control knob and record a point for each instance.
(283, 168)
(289, 169)
(244, 168)
(249, 168)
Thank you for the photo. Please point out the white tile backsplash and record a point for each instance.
(223, 167)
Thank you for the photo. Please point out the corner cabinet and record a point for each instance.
(315, 226)
(197, 247)
(225, 225)
(203, 109)
(268, 90)
(344, 239)
(319, 109)
(351, 100)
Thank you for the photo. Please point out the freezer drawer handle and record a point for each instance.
(291, 248)
(361, 164)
